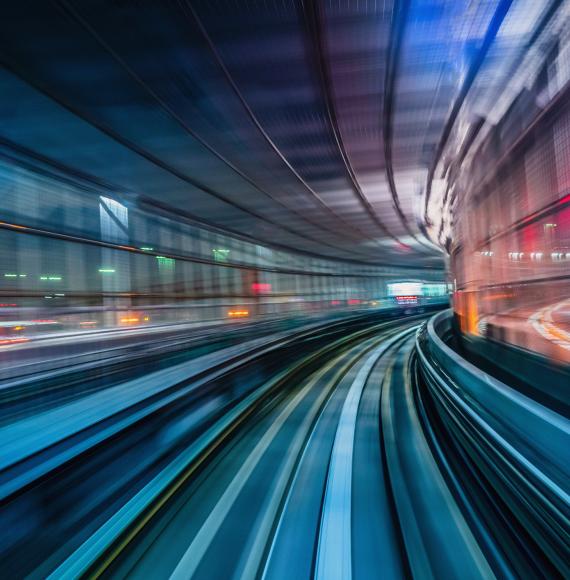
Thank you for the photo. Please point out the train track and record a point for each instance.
(346, 462)
(235, 502)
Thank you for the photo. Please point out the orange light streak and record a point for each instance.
(238, 313)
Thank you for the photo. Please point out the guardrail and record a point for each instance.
(509, 451)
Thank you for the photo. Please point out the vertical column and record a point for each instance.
(115, 264)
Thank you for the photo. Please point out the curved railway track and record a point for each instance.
(354, 457)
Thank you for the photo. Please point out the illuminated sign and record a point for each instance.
(405, 289)
(407, 299)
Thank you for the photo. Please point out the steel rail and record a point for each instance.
(100, 550)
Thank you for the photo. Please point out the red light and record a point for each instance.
(14, 340)
(407, 299)
(335, 302)
(353, 301)
(260, 288)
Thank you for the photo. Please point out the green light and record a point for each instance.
(23, 275)
(43, 277)
(51, 277)
(220, 254)
(107, 270)
(56, 278)
(146, 249)
(10, 275)
(165, 265)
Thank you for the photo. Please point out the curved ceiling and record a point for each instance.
(315, 126)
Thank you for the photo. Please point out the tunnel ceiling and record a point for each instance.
(315, 126)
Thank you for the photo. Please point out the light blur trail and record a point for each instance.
(225, 231)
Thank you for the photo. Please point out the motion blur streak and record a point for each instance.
(285, 289)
